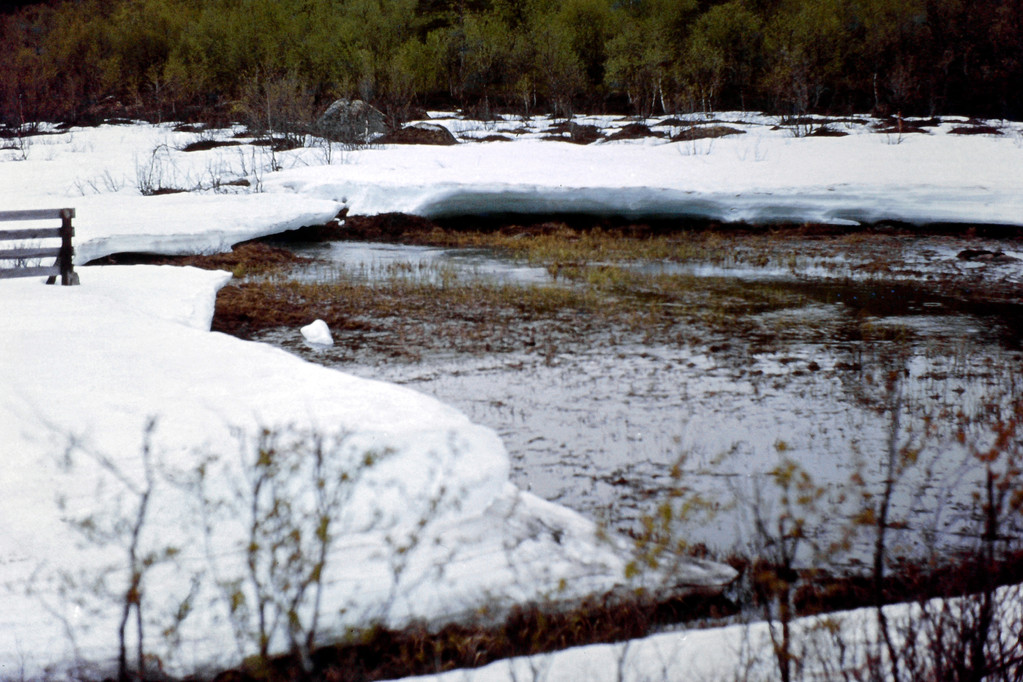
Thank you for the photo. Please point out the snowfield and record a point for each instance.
(850, 180)
(117, 399)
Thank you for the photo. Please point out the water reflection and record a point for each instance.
(615, 426)
(369, 260)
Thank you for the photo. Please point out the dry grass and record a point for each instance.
(248, 259)
(379, 653)
(601, 282)
(558, 245)
(408, 314)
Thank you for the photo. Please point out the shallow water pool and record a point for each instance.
(620, 427)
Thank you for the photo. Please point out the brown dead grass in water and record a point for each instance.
(597, 287)
(252, 258)
(406, 316)
(556, 242)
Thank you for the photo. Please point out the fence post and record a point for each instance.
(67, 251)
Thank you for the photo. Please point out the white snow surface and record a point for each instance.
(95, 376)
(318, 333)
(171, 224)
(740, 651)
(763, 176)
(101, 173)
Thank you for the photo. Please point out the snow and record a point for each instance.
(169, 224)
(760, 176)
(317, 333)
(101, 172)
(102, 378)
(739, 651)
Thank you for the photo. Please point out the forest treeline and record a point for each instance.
(187, 58)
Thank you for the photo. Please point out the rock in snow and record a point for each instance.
(351, 121)
(318, 334)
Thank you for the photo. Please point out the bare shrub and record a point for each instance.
(278, 107)
(152, 171)
(290, 499)
(122, 522)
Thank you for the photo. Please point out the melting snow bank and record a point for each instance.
(116, 388)
(833, 646)
(185, 224)
(849, 180)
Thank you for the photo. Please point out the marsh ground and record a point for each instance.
(626, 366)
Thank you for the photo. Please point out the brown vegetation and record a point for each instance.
(409, 315)
(380, 653)
(704, 132)
(419, 134)
(205, 145)
(249, 258)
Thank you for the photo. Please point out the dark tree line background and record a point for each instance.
(193, 58)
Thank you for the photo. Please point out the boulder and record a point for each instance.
(419, 133)
(351, 121)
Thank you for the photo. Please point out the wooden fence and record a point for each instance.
(63, 265)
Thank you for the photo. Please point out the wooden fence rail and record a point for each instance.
(63, 265)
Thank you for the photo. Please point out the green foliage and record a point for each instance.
(558, 69)
(479, 53)
(725, 47)
(155, 57)
(806, 43)
(142, 36)
(589, 25)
